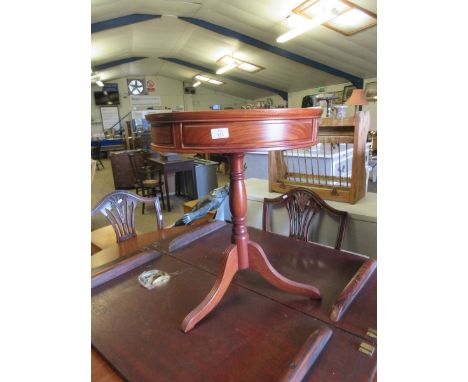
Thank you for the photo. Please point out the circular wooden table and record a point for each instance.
(235, 132)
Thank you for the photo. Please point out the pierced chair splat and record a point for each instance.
(118, 207)
(303, 206)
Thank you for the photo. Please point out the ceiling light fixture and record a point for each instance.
(196, 84)
(342, 16)
(231, 62)
(215, 82)
(200, 77)
(224, 69)
(304, 28)
(96, 78)
(352, 21)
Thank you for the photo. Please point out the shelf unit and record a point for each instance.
(335, 168)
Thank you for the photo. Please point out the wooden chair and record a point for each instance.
(146, 183)
(96, 153)
(93, 169)
(303, 206)
(118, 207)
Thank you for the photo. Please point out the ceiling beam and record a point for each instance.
(121, 21)
(283, 94)
(356, 81)
(111, 64)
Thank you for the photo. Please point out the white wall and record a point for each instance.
(295, 100)
(172, 95)
(277, 100)
(206, 97)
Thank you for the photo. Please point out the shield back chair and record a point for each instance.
(303, 207)
(119, 206)
(148, 180)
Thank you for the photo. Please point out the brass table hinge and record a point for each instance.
(366, 348)
(372, 333)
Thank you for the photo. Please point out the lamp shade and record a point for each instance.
(357, 98)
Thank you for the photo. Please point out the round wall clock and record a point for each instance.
(135, 87)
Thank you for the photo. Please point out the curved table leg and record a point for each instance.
(260, 263)
(228, 270)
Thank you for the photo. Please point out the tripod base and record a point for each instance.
(258, 262)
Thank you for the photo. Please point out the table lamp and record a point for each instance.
(357, 99)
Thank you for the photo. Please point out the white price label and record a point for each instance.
(220, 133)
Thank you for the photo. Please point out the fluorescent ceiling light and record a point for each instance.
(227, 67)
(302, 29)
(215, 82)
(228, 60)
(353, 17)
(196, 84)
(343, 16)
(249, 67)
(317, 12)
(201, 78)
(351, 22)
(233, 62)
(100, 83)
(316, 8)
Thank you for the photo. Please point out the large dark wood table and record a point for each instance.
(259, 333)
(235, 132)
(169, 167)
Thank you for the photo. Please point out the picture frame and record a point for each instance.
(347, 91)
(339, 100)
(370, 91)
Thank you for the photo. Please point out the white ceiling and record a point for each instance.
(261, 19)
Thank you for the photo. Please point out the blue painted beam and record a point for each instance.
(111, 64)
(121, 21)
(283, 94)
(356, 81)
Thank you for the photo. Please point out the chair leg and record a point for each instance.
(162, 197)
(143, 191)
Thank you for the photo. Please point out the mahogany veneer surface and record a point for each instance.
(326, 268)
(248, 338)
(267, 129)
